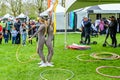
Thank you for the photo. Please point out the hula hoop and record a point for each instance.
(69, 71)
(97, 70)
(33, 57)
(85, 60)
(17, 51)
(113, 57)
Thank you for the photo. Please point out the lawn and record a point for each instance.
(63, 59)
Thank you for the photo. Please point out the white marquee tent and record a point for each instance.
(21, 16)
(60, 11)
(6, 16)
(102, 9)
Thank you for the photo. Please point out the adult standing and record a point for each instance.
(9, 27)
(82, 32)
(113, 30)
(41, 41)
(17, 25)
(87, 27)
(23, 31)
(30, 30)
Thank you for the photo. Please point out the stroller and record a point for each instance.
(94, 31)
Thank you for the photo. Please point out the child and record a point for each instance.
(6, 36)
(14, 34)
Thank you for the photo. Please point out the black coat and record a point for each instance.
(17, 26)
(113, 26)
(87, 27)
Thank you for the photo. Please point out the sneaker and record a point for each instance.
(40, 63)
(43, 65)
(49, 64)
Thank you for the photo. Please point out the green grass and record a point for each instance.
(11, 69)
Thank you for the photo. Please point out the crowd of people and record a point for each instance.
(18, 31)
(101, 26)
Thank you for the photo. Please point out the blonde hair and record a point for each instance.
(42, 19)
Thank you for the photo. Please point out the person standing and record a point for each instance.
(41, 41)
(30, 31)
(113, 30)
(17, 25)
(23, 31)
(6, 36)
(8, 27)
(49, 40)
(87, 27)
(82, 32)
(14, 34)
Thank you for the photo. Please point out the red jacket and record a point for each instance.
(1, 28)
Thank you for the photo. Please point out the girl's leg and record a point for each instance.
(40, 50)
(50, 50)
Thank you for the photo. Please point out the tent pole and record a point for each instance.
(65, 41)
(116, 15)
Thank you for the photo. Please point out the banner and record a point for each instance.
(55, 5)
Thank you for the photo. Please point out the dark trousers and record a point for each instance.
(87, 38)
(9, 33)
(82, 35)
(18, 39)
(113, 37)
(30, 41)
(0, 40)
(6, 40)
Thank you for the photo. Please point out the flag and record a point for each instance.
(55, 5)
(49, 1)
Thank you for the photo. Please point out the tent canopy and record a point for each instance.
(7, 16)
(104, 8)
(59, 9)
(76, 4)
(21, 16)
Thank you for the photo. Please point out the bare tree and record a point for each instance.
(3, 8)
(15, 6)
(38, 4)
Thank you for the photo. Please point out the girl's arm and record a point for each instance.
(39, 29)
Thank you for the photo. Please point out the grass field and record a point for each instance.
(11, 69)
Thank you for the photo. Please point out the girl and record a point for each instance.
(49, 45)
(41, 41)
